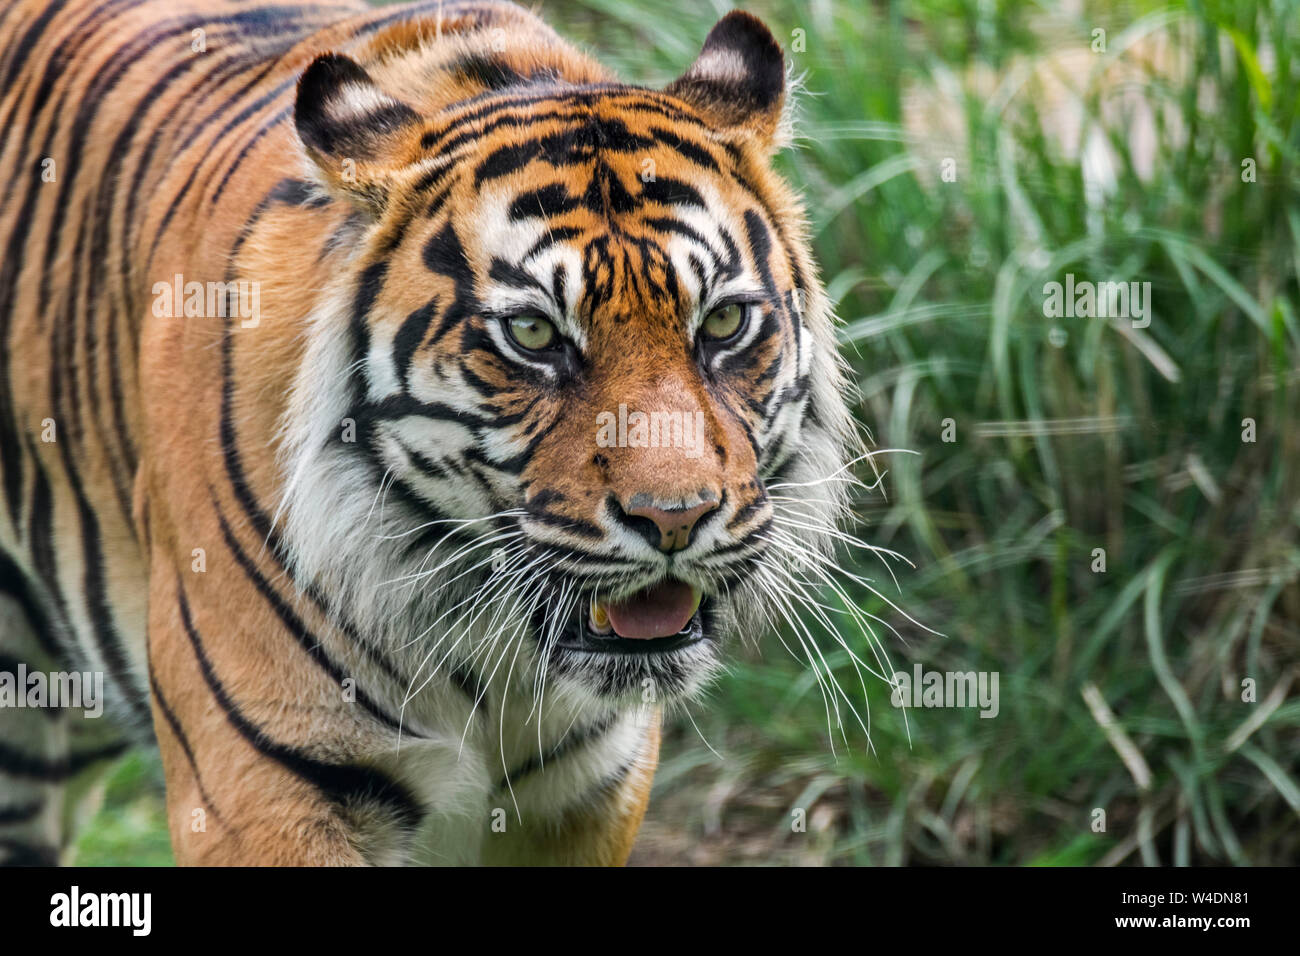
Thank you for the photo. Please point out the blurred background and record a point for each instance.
(1104, 514)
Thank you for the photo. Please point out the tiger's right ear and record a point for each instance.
(356, 134)
(738, 80)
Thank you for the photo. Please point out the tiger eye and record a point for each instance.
(532, 332)
(725, 322)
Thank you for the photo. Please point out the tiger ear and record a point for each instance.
(355, 133)
(738, 80)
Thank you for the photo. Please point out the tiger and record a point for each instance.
(400, 414)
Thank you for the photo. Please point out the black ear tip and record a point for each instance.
(747, 35)
(742, 30)
(335, 67)
(318, 84)
(325, 74)
(741, 56)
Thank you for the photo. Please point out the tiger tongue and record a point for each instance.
(660, 611)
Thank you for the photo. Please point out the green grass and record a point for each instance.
(131, 827)
(940, 289)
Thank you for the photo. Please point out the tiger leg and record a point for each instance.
(52, 760)
(241, 790)
(600, 831)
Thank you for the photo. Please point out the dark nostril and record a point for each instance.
(668, 529)
(644, 527)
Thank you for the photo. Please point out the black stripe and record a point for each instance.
(671, 192)
(463, 677)
(230, 454)
(308, 641)
(760, 246)
(444, 254)
(54, 769)
(287, 192)
(410, 335)
(369, 286)
(16, 584)
(21, 813)
(576, 144)
(744, 512)
(342, 784)
(583, 529)
(23, 853)
(575, 99)
(695, 152)
(552, 236)
(566, 746)
(40, 535)
(729, 266)
(179, 733)
(400, 406)
(487, 71)
(609, 784)
(275, 120)
(95, 593)
(545, 202)
(23, 47)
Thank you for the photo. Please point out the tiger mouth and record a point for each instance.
(656, 620)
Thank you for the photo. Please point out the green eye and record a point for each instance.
(725, 322)
(532, 332)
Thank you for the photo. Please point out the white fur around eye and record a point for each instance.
(499, 237)
(498, 334)
(752, 321)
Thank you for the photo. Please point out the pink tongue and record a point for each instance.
(660, 611)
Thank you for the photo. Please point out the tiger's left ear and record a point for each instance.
(355, 134)
(738, 80)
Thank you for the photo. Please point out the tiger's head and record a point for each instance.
(589, 367)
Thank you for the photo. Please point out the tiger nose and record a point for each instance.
(674, 525)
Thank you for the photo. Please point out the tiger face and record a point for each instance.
(581, 339)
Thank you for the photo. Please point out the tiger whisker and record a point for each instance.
(411, 690)
(822, 570)
(838, 473)
(849, 540)
(868, 585)
(420, 575)
(506, 513)
(483, 599)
